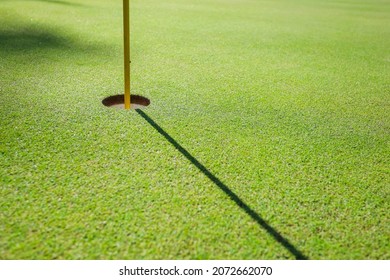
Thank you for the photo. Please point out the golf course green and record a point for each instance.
(267, 135)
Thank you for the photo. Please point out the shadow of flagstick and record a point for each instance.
(256, 217)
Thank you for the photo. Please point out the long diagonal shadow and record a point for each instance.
(256, 217)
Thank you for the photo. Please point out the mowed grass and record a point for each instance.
(277, 113)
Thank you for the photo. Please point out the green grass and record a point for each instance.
(284, 103)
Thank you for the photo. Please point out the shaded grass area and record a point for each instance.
(285, 102)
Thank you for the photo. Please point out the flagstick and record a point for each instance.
(126, 39)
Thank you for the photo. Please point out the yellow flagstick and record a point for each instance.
(126, 39)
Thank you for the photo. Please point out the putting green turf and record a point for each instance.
(267, 136)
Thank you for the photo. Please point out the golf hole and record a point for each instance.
(118, 101)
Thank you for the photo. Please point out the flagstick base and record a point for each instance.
(118, 101)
